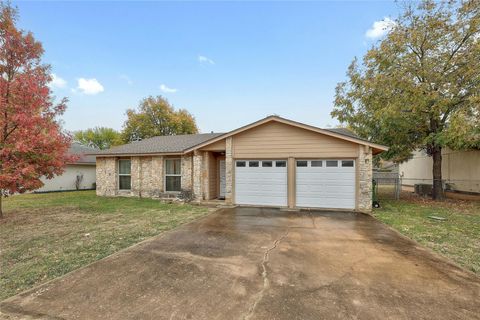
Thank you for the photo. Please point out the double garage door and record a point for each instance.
(318, 183)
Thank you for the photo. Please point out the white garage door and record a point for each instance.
(325, 183)
(261, 182)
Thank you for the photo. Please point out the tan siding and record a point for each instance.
(217, 183)
(278, 140)
(460, 168)
(217, 146)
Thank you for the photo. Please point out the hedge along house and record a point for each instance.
(272, 162)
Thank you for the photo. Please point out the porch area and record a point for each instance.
(209, 185)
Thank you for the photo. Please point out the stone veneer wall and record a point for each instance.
(135, 177)
(365, 173)
(206, 158)
(157, 180)
(187, 172)
(106, 177)
(197, 175)
(228, 170)
(147, 176)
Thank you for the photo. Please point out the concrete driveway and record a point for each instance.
(249, 263)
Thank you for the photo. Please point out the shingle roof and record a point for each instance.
(83, 152)
(345, 132)
(160, 144)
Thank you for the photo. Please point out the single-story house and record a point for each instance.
(460, 170)
(271, 162)
(79, 175)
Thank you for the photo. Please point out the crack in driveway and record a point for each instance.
(266, 282)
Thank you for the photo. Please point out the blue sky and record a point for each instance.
(228, 63)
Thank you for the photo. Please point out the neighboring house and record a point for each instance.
(271, 162)
(460, 170)
(386, 166)
(77, 176)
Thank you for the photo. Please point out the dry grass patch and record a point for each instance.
(44, 236)
(458, 237)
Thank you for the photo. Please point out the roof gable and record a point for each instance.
(339, 133)
(180, 144)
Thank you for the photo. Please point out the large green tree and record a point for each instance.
(98, 137)
(156, 117)
(419, 87)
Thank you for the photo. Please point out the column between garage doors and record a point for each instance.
(291, 182)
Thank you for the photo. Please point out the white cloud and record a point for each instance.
(380, 28)
(166, 89)
(205, 60)
(126, 78)
(57, 82)
(89, 86)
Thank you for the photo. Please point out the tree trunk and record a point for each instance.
(437, 190)
(1, 211)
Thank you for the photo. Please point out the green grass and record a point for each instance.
(44, 236)
(457, 238)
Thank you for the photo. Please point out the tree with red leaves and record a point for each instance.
(32, 142)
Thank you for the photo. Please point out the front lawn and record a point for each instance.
(44, 236)
(458, 237)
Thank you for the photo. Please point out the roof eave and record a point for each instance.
(376, 151)
(132, 154)
(82, 163)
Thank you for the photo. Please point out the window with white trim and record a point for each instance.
(347, 163)
(316, 163)
(281, 163)
(302, 163)
(332, 163)
(253, 164)
(241, 164)
(267, 164)
(173, 175)
(124, 174)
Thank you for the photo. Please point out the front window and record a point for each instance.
(124, 174)
(173, 175)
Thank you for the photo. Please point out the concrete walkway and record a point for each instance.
(248, 263)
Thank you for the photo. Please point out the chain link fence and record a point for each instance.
(390, 185)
